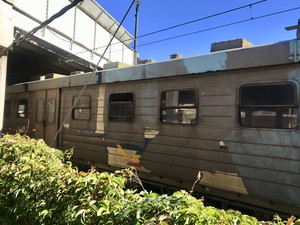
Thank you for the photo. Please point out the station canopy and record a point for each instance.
(34, 56)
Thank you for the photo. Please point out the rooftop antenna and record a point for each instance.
(295, 27)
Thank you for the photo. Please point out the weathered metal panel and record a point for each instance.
(82, 79)
(16, 89)
(49, 84)
(280, 193)
(201, 64)
(275, 54)
(252, 57)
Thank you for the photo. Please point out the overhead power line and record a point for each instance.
(207, 29)
(221, 26)
(203, 18)
(188, 22)
(218, 27)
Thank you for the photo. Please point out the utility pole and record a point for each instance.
(137, 8)
(295, 27)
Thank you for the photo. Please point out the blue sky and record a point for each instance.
(155, 15)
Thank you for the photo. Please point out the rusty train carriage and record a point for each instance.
(234, 115)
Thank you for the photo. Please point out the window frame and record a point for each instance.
(125, 118)
(25, 110)
(181, 108)
(78, 107)
(277, 109)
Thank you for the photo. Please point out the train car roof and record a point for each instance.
(286, 52)
(241, 58)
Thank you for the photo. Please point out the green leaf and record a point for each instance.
(80, 212)
(92, 202)
(100, 211)
(297, 222)
(44, 212)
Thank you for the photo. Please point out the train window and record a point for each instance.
(7, 108)
(268, 106)
(121, 107)
(82, 110)
(22, 108)
(178, 106)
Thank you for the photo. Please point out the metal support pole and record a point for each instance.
(295, 27)
(137, 8)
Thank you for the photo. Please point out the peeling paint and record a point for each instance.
(192, 65)
(218, 179)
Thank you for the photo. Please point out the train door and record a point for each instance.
(131, 124)
(46, 120)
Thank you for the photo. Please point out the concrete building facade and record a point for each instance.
(6, 38)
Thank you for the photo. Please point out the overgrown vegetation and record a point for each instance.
(39, 186)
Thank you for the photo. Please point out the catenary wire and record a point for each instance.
(89, 78)
(216, 27)
(185, 23)
(221, 26)
(203, 18)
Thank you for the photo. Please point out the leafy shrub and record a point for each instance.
(38, 185)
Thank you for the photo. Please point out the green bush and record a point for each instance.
(38, 185)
